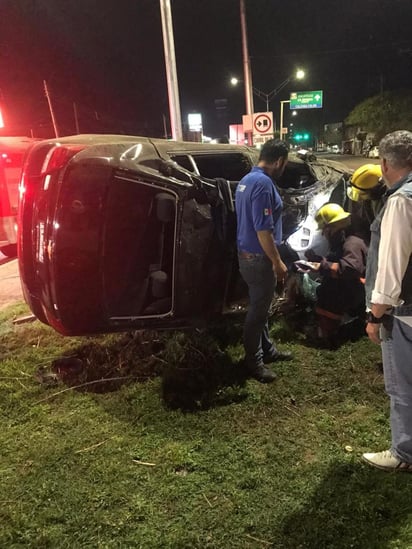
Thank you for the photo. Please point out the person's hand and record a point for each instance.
(280, 270)
(373, 332)
(306, 266)
(311, 256)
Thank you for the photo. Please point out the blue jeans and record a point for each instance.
(397, 366)
(258, 274)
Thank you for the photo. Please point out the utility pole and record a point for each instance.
(76, 118)
(246, 61)
(247, 71)
(46, 91)
(171, 72)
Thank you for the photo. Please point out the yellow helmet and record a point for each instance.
(363, 180)
(330, 213)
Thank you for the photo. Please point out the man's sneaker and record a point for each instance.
(262, 374)
(278, 355)
(387, 461)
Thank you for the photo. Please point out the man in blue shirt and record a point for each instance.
(259, 232)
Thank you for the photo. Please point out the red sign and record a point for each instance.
(262, 123)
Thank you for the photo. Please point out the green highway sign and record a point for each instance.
(306, 100)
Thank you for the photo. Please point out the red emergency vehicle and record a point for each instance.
(12, 152)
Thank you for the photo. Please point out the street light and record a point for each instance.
(298, 75)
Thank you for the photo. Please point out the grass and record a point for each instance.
(183, 452)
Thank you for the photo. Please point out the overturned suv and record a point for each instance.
(120, 233)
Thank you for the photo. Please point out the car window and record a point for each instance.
(184, 161)
(230, 166)
(296, 176)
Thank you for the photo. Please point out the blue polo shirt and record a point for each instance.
(258, 208)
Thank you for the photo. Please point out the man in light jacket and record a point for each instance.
(389, 296)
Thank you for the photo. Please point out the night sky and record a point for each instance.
(106, 56)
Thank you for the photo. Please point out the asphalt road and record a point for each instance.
(10, 288)
(352, 162)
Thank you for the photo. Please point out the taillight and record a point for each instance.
(58, 156)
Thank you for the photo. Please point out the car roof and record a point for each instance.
(161, 144)
(138, 152)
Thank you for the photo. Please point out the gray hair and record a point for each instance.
(396, 148)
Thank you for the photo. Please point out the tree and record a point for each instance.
(383, 113)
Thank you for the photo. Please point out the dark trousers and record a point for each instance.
(258, 274)
(341, 296)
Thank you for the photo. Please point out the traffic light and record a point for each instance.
(305, 136)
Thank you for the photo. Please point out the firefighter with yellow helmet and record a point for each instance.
(366, 183)
(366, 189)
(341, 289)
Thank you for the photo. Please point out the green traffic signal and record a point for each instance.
(302, 137)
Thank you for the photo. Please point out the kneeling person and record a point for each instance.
(342, 288)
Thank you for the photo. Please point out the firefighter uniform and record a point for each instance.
(342, 288)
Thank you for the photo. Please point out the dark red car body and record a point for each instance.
(120, 233)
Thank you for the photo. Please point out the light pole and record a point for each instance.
(281, 117)
(171, 71)
(267, 97)
(247, 71)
